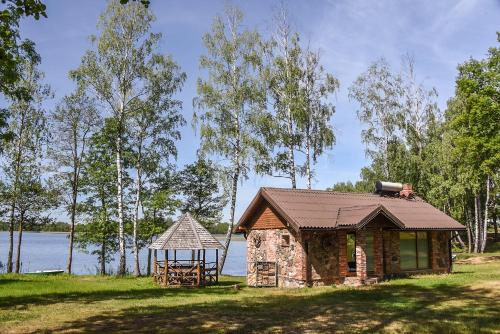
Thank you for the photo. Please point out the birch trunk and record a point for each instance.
(14, 198)
(479, 223)
(234, 191)
(484, 237)
(460, 241)
(308, 160)
(74, 196)
(229, 232)
(495, 226)
(19, 241)
(467, 227)
(137, 270)
(103, 245)
(476, 224)
(119, 184)
(291, 154)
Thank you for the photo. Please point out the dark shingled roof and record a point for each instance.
(321, 209)
(186, 233)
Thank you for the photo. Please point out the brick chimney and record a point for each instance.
(407, 191)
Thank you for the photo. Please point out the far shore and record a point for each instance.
(237, 237)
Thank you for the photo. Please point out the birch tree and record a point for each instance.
(154, 129)
(99, 209)
(73, 122)
(473, 118)
(27, 124)
(378, 92)
(228, 100)
(316, 126)
(284, 74)
(120, 71)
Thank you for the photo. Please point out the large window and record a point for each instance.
(414, 250)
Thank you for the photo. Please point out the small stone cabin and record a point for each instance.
(298, 237)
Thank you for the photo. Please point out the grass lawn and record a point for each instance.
(467, 301)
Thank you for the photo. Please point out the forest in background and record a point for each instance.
(106, 155)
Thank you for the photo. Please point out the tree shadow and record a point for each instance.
(154, 291)
(406, 308)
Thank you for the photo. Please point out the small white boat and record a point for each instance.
(46, 272)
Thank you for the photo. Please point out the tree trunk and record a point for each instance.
(308, 160)
(495, 226)
(119, 184)
(467, 226)
(11, 237)
(148, 268)
(229, 232)
(291, 153)
(104, 236)
(103, 256)
(19, 242)
(476, 224)
(460, 241)
(137, 270)
(74, 196)
(14, 198)
(484, 237)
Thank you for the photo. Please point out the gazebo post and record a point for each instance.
(155, 259)
(198, 269)
(217, 265)
(166, 268)
(175, 255)
(204, 268)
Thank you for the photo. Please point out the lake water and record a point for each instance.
(43, 251)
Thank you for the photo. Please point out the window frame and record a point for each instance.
(429, 252)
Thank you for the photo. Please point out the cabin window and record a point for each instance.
(351, 252)
(369, 251)
(285, 240)
(414, 250)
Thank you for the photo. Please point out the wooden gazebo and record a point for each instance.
(186, 234)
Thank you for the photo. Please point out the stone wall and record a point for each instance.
(323, 257)
(269, 246)
(326, 259)
(440, 257)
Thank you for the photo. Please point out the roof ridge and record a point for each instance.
(175, 227)
(192, 221)
(320, 191)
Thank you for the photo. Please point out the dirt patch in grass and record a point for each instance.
(479, 260)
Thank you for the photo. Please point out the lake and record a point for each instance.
(43, 251)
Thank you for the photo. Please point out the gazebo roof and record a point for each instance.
(186, 233)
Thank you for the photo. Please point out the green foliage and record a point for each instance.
(13, 50)
(98, 185)
(102, 232)
(230, 97)
(348, 187)
(199, 184)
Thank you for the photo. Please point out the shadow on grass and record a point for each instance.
(150, 291)
(408, 308)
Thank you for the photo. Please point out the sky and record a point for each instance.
(349, 34)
